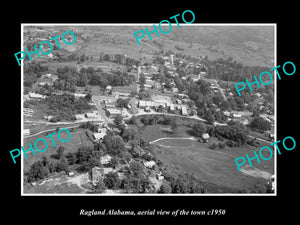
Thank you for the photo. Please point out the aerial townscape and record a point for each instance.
(162, 117)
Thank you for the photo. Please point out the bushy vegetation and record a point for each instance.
(235, 132)
(64, 107)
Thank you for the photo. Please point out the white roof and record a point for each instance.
(114, 111)
(98, 136)
(34, 95)
(149, 163)
(205, 136)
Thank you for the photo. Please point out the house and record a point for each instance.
(105, 159)
(114, 112)
(149, 82)
(159, 176)
(245, 121)
(226, 113)
(26, 131)
(79, 95)
(96, 174)
(92, 115)
(184, 110)
(50, 83)
(236, 116)
(149, 164)
(102, 130)
(108, 88)
(99, 136)
(36, 96)
(48, 117)
(80, 117)
(257, 95)
(205, 137)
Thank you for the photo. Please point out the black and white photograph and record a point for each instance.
(149, 113)
(159, 117)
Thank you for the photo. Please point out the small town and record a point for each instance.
(168, 122)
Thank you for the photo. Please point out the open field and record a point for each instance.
(215, 166)
(250, 45)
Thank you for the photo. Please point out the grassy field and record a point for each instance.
(250, 45)
(214, 166)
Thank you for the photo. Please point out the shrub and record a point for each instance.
(213, 146)
(221, 145)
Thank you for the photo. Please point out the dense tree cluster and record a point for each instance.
(64, 107)
(235, 132)
(229, 70)
(33, 71)
(260, 123)
(42, 168)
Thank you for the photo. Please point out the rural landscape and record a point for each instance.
(158, 118)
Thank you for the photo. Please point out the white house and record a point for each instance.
(184, 110)
(26, 131)
(105, 159)
(36, 96)
(205, 137)
(99, 136)
(149, 164)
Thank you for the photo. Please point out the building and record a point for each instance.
(102, 130)
(121, 94)
(80, 117)
(114, 111)
(92, 115)
(184, 110)
(26, 131)
(149, 164)
(105, 159)
(205, 137)
(99, 136)
(28, 111)
(79, 95)
(36, 96)
(108, 88)
(226, 113)
(96, 174)
(43, 83)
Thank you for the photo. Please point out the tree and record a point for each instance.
(128, 134)
(198, 129)
(112, 180)
(37, 171)
(136, 167)
(62, 166)
(118, 121)
(60, 152)
(165, 188)
(122, 103)
(99, 187)
(71, 158)
(174, 126)
(260, 123)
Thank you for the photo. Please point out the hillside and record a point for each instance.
(250, 45)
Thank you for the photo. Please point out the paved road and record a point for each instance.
(32, 135)
(101, 112)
